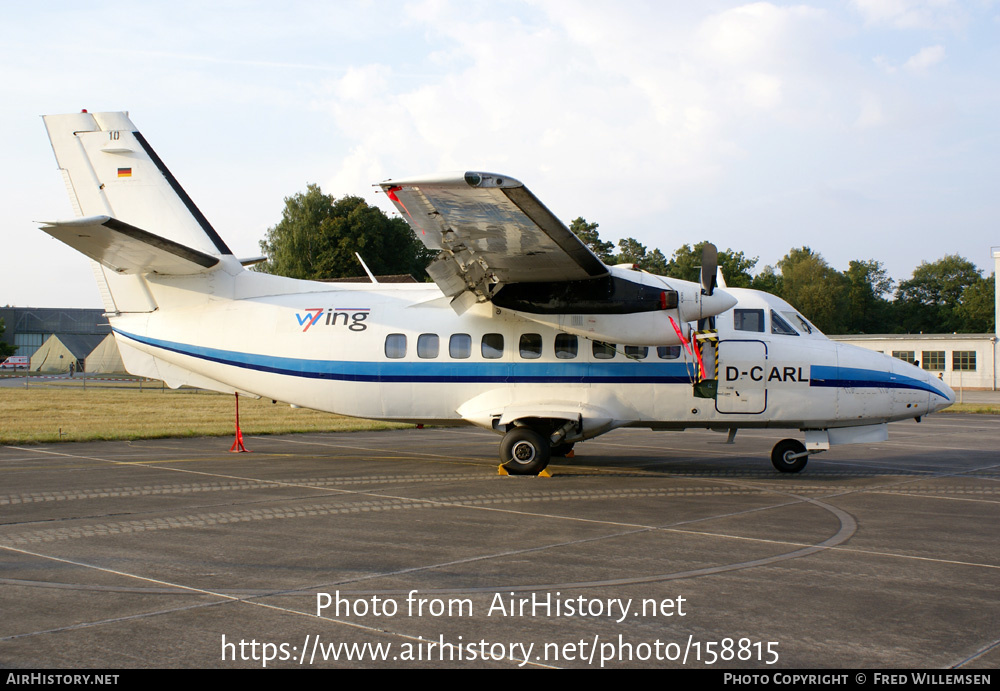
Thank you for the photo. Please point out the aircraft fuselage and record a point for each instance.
(399, 352)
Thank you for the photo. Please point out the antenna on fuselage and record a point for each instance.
(720, 280)
(365, 267)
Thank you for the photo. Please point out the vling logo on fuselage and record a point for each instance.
(351, 317)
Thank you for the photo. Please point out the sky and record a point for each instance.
(864, 129)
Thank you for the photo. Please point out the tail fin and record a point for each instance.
(131, 203)
(112, 171)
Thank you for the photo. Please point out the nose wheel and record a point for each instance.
(789, 456)
(524, 451)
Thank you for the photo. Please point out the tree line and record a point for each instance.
(318, 235)
(945, 296)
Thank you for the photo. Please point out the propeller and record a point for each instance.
(709, 265)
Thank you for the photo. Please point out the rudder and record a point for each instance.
(110, 169)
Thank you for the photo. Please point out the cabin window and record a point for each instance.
(963, 361)
(492, 346)
(668, 352)
(780, 326)
(604, 351)
(531, 346)
(748, 320)
(566, 346)
(460, 346)
(428, 346)
(905, 356)
(395, 346)
(636, 352)
(933, 360)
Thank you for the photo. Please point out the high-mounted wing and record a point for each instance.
(491, 231)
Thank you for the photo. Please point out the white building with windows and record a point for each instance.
(963, 361)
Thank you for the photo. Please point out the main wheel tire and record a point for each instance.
(561, 450)
(524, 451)
(781, 456)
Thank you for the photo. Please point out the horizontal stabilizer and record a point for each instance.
(126, 249)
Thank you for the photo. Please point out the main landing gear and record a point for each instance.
(524, 451)
(528, 446)
(789, 456)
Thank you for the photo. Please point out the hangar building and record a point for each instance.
(27, 328)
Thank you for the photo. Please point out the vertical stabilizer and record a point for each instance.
(112, 171)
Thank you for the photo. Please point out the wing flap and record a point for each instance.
(126, 249)
(492, 231)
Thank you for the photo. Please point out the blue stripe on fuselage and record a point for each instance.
(853, 377)
(632, 372)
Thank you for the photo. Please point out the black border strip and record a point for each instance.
(554, 228)
(174, 248)
(179, 191)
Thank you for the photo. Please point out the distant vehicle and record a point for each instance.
(16, 362)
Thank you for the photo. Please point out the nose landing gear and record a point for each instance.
(789, 456)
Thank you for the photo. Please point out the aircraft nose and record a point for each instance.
(946, 397)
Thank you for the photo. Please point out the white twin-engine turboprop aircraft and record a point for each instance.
(524, 332)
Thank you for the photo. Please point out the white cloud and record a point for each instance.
(668, 122)
(925, 58)
(884, 64)
(871, 114)
(362, 83)
(581, 87)
(912, 14)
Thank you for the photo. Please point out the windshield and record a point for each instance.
(801, 323)
(780, 326)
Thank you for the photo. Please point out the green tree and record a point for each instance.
(768, 281)
(655, 263)
(736, 266)
(318, 235)
(977, 310)
(929, 301)
(592, 238)
(6, 349)
(631, 251)
(814, 288)
(634, 252)
(868, 309)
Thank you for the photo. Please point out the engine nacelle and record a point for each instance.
(624, 307)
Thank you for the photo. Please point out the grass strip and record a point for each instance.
(43, 415)
(976, 408)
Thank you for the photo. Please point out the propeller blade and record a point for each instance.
(709, 265)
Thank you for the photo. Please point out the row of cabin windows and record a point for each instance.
(566, 347)
(934, 360)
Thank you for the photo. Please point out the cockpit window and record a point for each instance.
(749, 320)
(800, 322)
(780, 326)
